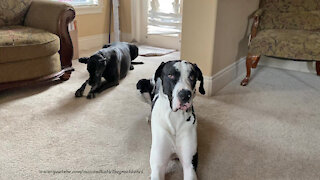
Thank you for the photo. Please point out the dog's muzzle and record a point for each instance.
(184, 98)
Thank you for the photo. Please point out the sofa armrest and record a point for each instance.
(53, 17)
(256, 20)
(46, 15)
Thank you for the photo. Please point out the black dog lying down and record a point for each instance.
(112, 62)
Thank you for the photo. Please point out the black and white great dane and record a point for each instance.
(173, 121)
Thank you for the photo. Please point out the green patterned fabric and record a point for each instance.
(288, 29)
(291, 44)
(12, 12)
(290, 5)
(22, 36)
(258, 12)
(21, 42)
(304, 20)
(290, 14)
(46, 15)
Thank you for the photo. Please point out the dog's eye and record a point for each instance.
(171, 76)
(191, 77)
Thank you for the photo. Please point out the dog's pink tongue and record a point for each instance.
(186, 106)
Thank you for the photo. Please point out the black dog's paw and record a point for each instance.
(91, 95)
(131, 67)
(79, 93)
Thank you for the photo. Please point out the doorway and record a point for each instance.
(160, 22)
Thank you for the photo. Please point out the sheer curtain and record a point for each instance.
(164, 17)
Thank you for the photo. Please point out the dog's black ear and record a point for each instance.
(159, 72)
(200, 78)
(84, 60)
(134, 51)
(106, 45)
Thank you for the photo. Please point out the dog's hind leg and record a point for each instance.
(93, 91)
(105, 85)
(91, 94)
(112, 77)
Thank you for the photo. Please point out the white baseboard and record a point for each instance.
(302, 66)
(216, 82)
(97, 41)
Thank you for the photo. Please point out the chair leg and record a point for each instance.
(67, 73)
(256, 60)
(318, 67)
(65, 76)
(251, 62)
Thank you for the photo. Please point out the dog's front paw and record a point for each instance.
(79, 93)
(91, 96)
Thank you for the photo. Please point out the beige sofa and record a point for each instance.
(35, 44)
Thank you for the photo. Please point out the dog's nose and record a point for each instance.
(184, 95)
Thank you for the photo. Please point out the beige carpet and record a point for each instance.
(268, 130)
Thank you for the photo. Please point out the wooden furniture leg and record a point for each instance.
(318, 67)
(251, 62)
(256, 60)
(66, 73)
(65, 76)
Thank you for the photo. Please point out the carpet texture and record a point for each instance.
(268, 130)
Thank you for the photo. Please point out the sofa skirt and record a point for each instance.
(30, 69)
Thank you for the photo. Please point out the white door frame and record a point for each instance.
(135, 19)
(139, 28)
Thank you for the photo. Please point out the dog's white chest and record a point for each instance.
(173, 133)
(163, 118)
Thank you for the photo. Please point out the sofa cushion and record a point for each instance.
(292, 44)
(19, 43)
(303, 20)
(12, 12)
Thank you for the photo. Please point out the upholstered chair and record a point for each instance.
(288, 29)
